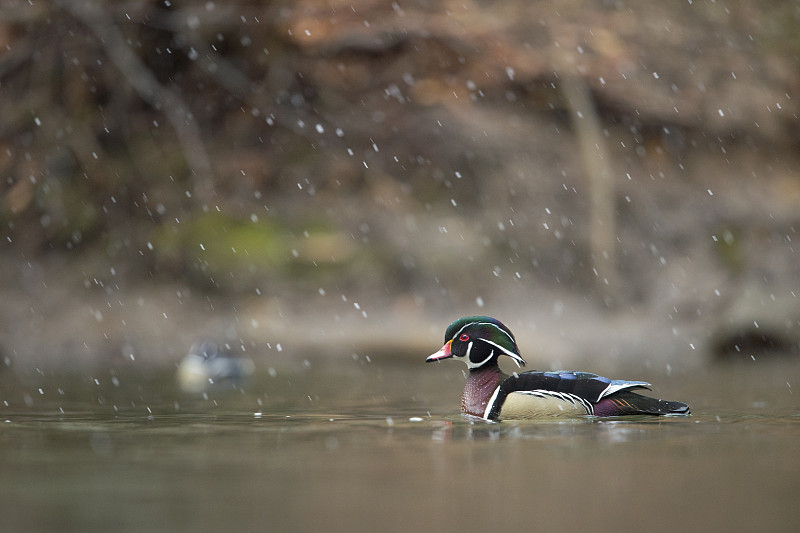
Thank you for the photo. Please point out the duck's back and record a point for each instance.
(569, 394)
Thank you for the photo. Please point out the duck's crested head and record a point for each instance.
(478, 341)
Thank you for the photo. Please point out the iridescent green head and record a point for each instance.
(478, 341)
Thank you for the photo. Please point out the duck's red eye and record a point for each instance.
(464, 337)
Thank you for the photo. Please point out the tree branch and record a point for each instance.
(149, 89)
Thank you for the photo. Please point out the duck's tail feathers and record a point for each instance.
(631, 403)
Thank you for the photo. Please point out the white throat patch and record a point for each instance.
(472, 365)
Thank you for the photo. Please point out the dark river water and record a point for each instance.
(363, 446)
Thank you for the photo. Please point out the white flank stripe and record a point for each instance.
(490, 404)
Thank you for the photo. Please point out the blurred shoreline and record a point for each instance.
(618, 183)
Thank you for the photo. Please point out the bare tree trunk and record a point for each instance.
(595, 158)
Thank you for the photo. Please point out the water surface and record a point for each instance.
(381, 447)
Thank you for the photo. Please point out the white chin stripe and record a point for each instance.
(471, 365)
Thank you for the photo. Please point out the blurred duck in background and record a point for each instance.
(207, 365)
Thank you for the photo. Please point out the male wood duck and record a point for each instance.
(492, 395)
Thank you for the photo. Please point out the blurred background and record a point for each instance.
(318, 188)
(616, 181)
